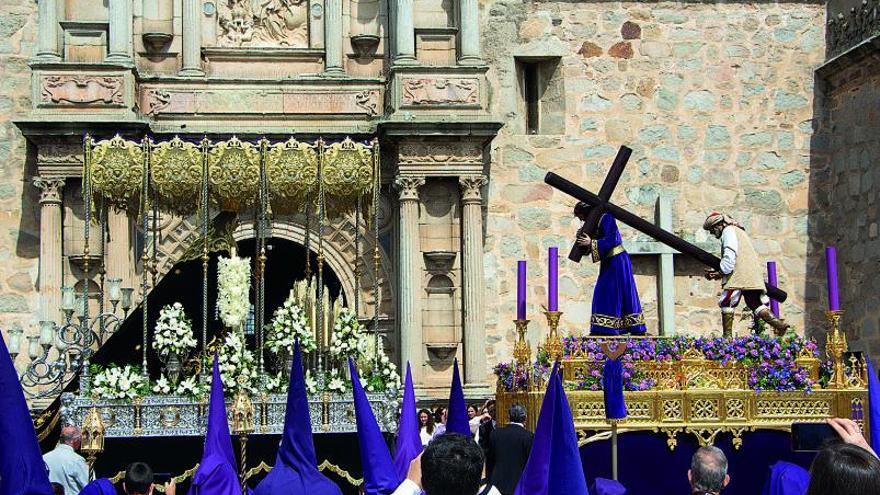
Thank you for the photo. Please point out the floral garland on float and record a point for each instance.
(233, 288)
(770, 363)
(173, 339)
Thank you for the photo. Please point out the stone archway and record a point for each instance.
(178, 234)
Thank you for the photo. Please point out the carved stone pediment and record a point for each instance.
(77, 89)
(269, 23)
(445, 91)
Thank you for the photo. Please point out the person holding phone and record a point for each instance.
(139, 480)
(850, 467)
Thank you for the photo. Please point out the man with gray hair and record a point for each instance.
(66, 467)
(708, 473)
(509, 449)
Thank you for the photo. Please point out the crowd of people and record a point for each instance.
(453, 464)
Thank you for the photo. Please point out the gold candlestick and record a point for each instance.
(553, 346)
(522, 352)
(835, 346)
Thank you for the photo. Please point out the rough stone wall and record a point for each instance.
(844, 207)
(19, 200)
(715, 99)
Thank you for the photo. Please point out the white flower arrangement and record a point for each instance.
(189, 387)
(289, 323)
(337, 382)
(118, 382)
(173, 332)
(162, 386)
(236, 364)
(311, 383)
(349, 339)
(379, 373)
(233, 284)
(275, 384)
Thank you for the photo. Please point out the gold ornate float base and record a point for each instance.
(703, 413)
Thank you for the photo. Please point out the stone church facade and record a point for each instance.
(472, 103)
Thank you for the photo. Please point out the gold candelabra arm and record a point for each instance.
(522, 352)
(553, 346)
(835, 347)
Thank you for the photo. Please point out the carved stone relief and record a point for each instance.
(277, 23)
(82, 90)
(60, 154)
(441, 91)
(454, 153)
(156, 101)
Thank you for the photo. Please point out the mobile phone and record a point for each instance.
(811, 437)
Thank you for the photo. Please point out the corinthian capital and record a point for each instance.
(470, 188)
(408, 186)
(50, 189)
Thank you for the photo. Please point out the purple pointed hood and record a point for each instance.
(409, 444)
(101, 486)
(218, 471)
(380, 477)
(874, 406)
(456, 413)
(566, 469)
(787, 479)
(22, 470)
(535, 474)
(296, 467)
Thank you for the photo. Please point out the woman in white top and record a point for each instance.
(426, 427)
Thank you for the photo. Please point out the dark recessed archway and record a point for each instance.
(285, 264)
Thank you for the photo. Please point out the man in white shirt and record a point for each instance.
(66, 467)
(452, 464)
(741, 275)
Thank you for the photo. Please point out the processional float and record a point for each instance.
(234, 179)
(685, 385)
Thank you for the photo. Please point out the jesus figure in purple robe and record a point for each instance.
(616, 306)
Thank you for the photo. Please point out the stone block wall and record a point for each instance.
(844, 206)
(716, 101)
(19, 199)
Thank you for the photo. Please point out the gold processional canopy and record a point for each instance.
(178, 173)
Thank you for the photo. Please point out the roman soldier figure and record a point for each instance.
(740, 274)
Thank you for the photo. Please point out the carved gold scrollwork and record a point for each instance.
(234, 174)
(176, 173)
(292, 173)
(347, 172)
(116, 169)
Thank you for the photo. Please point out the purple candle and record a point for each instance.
(553, 273)
(521, 290)
(773, 280)
(831, 269)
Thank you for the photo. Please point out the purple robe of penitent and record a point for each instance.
(616, 306)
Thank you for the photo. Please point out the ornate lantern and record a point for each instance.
(92, 435)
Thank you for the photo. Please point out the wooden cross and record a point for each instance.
(665, 266)
(605, 192)
(641, 224)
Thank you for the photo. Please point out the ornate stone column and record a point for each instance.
(469, 36)
(473, 279)
(120, 31)
(333, 37)
(192, 39)
(50, 246)
(411, 339)
(47, 35)
(118, 246)
(404, 33)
